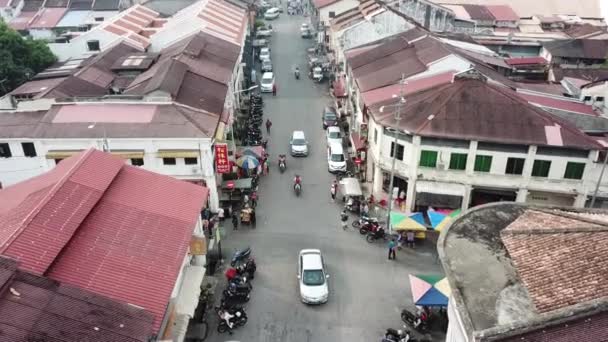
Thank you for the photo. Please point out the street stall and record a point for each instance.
(430, 290)
(233, 192)
(403, 223)
(351, 193)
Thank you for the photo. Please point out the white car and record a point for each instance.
(272, 13)
(263, 32)
(312, 277)
(335, 158)
(334, 136)
(267, 82)
(266, 65)
(264, 54)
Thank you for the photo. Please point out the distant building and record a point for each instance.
(525, 273)
(112, 229)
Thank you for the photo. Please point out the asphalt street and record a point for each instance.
(367, 291)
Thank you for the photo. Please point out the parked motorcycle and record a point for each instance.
(410, 319)
(240, 255)
(397, 335)
(365, 224)
(240, 281)
(377, 235)
(247, 269)
(239, 294)
(239, 319)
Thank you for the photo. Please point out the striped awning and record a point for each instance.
(178, 153)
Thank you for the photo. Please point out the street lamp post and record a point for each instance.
(396, 133)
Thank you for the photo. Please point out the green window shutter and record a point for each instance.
(515, 166)
(458, 161)
(483, 163)
(428, 158)
(541, 168)
(574, 170)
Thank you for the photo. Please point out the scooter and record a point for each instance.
(297, 73)
(377, 235)
(364, 220)
(410, 318)
(241, 282)
(282, 163)
(248, 269)
(297, 188)
(397, 335)
(239, 319)
(240, 255)
(234, 297)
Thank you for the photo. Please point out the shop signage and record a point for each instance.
(222, 165)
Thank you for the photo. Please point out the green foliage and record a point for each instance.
(20, 58)
(259, 23)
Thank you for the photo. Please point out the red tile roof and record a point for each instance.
(474, 109)
(503, 12)
(104, 226)
(526, 60)
(41, 309)
(564, 105)
(323, 3)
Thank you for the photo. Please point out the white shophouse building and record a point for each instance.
(163, 137)
(469, 142)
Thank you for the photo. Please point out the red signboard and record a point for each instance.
(222, 165)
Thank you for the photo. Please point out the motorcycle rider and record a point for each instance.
(227, 317)
(297, 72)
(282, 159)
(421, 317)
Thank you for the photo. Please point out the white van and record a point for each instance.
(299, 145)
(272, 13)
(335, 158)
(267, 82)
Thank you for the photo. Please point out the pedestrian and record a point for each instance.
(333, 189)
(253, 218)
(235, 221)
(254, 199)
(220, 214)
(409, 238)
(268, 122)
(245, 200)
(266, 167)
(206, 214)
(391, 249)
(210, 227)
(364, 209)
(274, 89)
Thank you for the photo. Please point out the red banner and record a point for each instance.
(222, 165)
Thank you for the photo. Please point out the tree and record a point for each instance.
(20, 58)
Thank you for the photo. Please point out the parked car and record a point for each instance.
(263, 32)
(267, 82)
(298, 144)
(272, 13)
(336, 162)
(334, 135)
(266, 65)
(264, 53)
(312, 277)
(329, 117)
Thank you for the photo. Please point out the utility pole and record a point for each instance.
(397, 121)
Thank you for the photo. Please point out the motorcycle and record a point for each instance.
(344, 220)
(397, 335)
(239, 281)
(297, 73)
(248, 269)
(297, 188)
(240, 255)
(377, 235)
(239, 319)
(410, 319)
(282, 163)
(232, 297)
(365, 220)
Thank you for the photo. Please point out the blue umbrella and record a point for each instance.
(418, 217)
(248, 162)
(435, 218)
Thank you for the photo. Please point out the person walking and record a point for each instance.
(409, 238)
(268, 123)
(254, 199)
(253, 218)
(274, 89)
(391, 249)
(333, 189)
(235, 221)
(220, 214)
(266, 167)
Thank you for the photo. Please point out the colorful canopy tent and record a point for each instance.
(446, 220)
(248, 162)
(402, 222)
(256, 151)
(430, 290)
(436, 218)
(418, 217)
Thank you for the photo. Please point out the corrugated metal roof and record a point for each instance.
(134, 232)
(131, 23)
(22, 21)
(502, 12)
(323, 3)
(478, 12)
(106, 5)
(375, 96)
(73, 19)
(578, 48)
(565, 104)
(473, 109)
(526, 60)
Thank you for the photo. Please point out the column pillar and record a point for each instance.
(470, 170)
(529, 163)
(580, 200)
(522, 195)
(377, 184)
(410, 197)
(466, 199)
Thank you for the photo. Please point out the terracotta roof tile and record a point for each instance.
(561, 260)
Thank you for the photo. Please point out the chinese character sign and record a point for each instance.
(222, 165)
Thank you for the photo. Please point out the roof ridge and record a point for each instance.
(444, 101)
(193, 122)
(33, 213)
